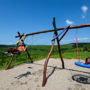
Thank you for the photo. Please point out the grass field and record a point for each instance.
(41, 51)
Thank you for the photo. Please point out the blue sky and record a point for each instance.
(29, 16)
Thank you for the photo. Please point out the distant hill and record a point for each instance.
(65, 45)
(7, 45)
(81, 44)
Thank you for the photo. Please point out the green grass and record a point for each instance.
(41, 52)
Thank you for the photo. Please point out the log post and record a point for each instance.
(28, 54)
(59, 50)
(46, 63)
(10, 62)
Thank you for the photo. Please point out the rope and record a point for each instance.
(77, 47)
(57, 35)
(65, 30)
(21, 39)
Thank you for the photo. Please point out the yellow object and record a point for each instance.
(21, 39)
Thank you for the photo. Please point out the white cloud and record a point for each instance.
(69, 22)
(83, 39)
(84, 9)
(67, 40)
(79, 39)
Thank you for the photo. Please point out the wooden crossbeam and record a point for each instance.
(46, 31)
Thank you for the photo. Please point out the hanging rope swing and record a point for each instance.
(85, 64)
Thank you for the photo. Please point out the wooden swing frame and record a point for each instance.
(52, 47)
(50, 52)
(28, 54)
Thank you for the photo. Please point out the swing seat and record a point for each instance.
(81, 64)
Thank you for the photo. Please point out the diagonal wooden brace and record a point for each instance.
(10, 62)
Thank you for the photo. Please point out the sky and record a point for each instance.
(28, 16)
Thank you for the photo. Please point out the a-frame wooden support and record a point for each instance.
(28, 54)
(51, 50)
